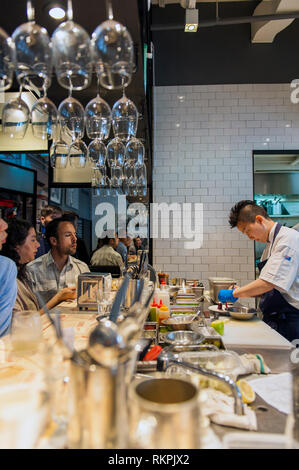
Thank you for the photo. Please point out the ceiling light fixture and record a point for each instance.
(57, 12)
(191, 21)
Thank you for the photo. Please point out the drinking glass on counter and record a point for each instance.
(26, 332)
(104, 302)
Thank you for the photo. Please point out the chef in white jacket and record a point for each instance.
(278, 283)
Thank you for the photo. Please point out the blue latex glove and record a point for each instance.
(226, 295)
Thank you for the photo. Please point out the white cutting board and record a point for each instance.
(253, 333)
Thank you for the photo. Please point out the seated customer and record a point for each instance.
(57, 269)
(81, 252)
(8, 285)
(138, 244)
(122, 248)
(107, 256)
(21, 247)
(48, 214)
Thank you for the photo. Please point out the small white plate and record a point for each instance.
(215, 308)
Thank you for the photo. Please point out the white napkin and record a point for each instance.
(252, 364)
(219, 407)
(275, 390)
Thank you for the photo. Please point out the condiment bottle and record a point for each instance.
(154, 311)
(163, 313)
(164, 294)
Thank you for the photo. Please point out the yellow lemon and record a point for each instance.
(218, 325)
(247, 392)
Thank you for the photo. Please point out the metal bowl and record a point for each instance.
(183, 337)
(241, 313)
(179, 322)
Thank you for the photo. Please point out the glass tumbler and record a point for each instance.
(26, 332)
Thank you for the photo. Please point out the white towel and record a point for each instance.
(219, 407)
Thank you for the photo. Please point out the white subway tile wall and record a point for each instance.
(204, 137)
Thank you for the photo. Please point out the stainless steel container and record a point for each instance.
(134, 285)
(99, 381)
(164, 414)
(98, 405)
(218, 283)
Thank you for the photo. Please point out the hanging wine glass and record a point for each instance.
(113, 52)
(78, 154)
(59, 153)
(95, 180)
(97, 153)
(132, 185)
(117, 175)
(44, 117)
(72, 53)
(124, 118)
(15, 117)
(6, 61)
(135, 151)
(128, 172)
(71, 117)
(115, 152)
(32, 52)
(104, 183)
(98, 118)
(141, 180)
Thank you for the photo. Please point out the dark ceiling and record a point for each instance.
(222, 54)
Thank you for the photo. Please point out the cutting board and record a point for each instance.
(253, 333)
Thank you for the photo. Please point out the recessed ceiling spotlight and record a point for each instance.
(57, 12)
(191, 20)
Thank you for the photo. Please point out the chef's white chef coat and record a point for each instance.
(282, 268)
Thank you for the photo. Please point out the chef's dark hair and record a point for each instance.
(245, 211)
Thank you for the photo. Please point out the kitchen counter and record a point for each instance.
(277, 357)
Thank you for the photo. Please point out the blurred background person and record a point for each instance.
(107, 254)
(99, 245)
(122, 248)
(8, 284)
(48, 213)
(137, 244)
(21, 248)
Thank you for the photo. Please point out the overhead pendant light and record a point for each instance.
(191, 20)
(56, 11)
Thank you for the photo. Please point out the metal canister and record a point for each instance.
(164, 414)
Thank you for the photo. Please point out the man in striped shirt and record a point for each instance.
(58, 268)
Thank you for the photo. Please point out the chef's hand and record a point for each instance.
(226, 295)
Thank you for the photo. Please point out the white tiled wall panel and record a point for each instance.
(204, 137)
